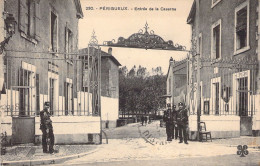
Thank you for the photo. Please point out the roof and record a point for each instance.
(103, 55)
(78, 8)
(175, 64)
(191, 16)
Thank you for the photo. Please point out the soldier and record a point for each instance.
(142, 120)
(174, 127)
(47, 129)
(169, 122)
(182, 121)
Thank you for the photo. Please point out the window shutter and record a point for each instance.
(66, 41)
(32, 19)
(37, 21)
(22, 15)
(55, 35)
(70, 42)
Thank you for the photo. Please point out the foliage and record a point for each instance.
(140, 92)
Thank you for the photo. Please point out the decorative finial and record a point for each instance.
(93, 34)
(146, 27)
(93, 40)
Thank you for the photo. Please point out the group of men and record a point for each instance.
(176, 122)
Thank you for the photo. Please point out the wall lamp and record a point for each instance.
(10, 28)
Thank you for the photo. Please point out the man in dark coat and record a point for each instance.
(47, 129)
(175, 126)
(168, 119)
(182, 121)
(142, 120)
(145, 120)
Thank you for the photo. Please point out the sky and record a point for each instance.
(109, 25)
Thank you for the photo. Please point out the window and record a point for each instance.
(215, 95)
(241, 92)
(243, 96)
(53, 32)
(37, 94)
(68, 98)
(214, 3)
(216, 90)
(216, 40)
(53, 89)
(242, 27)
(26, 89)
(29, 19)
(206, 107)
(68, 42)
(51, 95)
(25, 104)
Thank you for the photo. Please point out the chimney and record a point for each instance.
(110, 50)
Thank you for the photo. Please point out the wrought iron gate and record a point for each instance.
(33, 78)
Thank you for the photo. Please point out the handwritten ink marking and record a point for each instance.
(149, 138)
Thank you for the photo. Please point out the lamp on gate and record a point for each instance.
(10, 28)
(10, 24)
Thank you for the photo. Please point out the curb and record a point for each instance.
(56, 160)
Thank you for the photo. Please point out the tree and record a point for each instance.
(140, 93)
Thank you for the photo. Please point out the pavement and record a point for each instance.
(148, 144)
(133, 142)
(29, 154)
(139, 149)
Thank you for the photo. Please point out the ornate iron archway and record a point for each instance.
(145, 40)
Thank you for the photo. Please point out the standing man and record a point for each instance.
(169, 122)
(182, 121)
(142, 120)
(145, 119)
(47, 129)
(174, 127)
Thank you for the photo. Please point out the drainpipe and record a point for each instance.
(99, 91)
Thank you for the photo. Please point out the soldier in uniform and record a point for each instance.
(169, 122)
(182, 121)
(174, 127)
(47, 129)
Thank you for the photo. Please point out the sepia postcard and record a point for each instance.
(130, 82)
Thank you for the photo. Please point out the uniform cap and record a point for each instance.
(47, 104)
(174, 106)
(181, 104)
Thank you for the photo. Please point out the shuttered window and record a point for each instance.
(29, 18)
(241, 28)
(216, 40)
(68, 42)
(53, 32)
